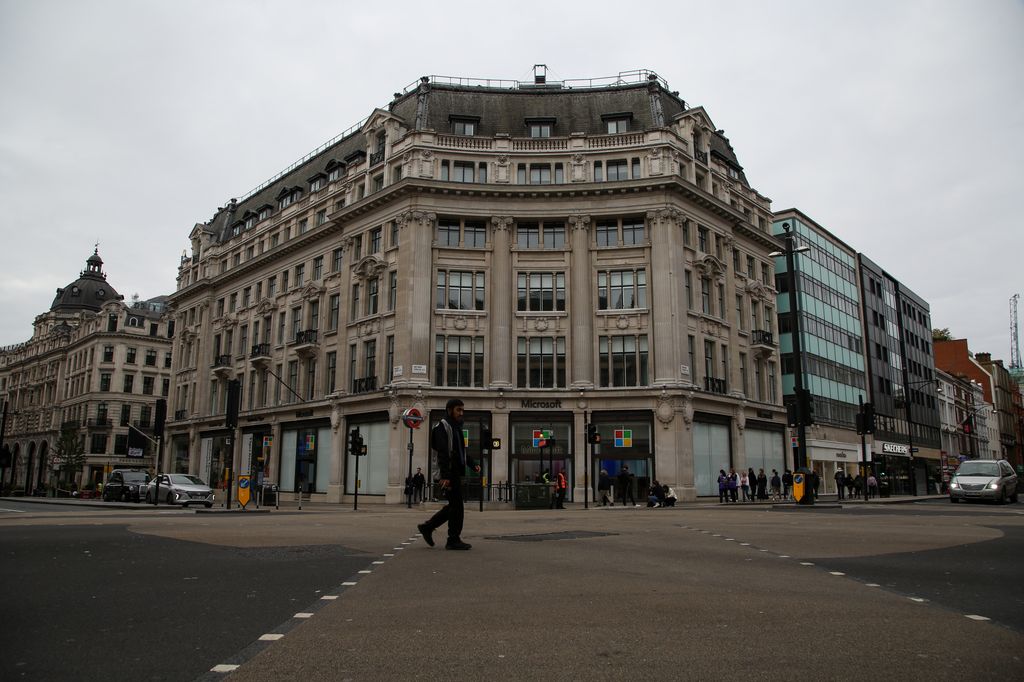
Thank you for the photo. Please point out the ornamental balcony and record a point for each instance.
(180, 415)
(713, 385)
(222, 366)
(760, 337)
(98, 422)
(306, 343)
(364, 385)
(260, 355)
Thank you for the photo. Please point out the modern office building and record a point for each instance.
(552, 253)
(901, 379)
(832, 341)
(94, 365)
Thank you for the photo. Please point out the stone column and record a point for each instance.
(339, 439)
(503, 293)
(413, 342)
(581, 302)
(663, 285)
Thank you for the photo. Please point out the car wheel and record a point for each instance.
(207, 504)
(954, 500)
(1004, 497)
(124, 496)
(170, 498)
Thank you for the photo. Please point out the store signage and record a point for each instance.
(895, 449)
(541, 404)
(540, 438)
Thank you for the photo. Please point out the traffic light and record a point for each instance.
(806, 406)
(234, 401)
(486, 442)
(160, 418)
(968, 425)
(355, 443)
(593, 437)
(869, 419)
(791, 415)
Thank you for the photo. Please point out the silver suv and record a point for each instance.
(984, 479)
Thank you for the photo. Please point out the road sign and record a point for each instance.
(244, 491)
(412, 418)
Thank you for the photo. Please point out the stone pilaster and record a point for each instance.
(502, 300)
(581, 304)
(413, 343)
(664, 281)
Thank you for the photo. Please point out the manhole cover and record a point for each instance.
(561, 535)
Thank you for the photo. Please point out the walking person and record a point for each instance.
(734, 482)
(776, 484)
(752, 478)
(762, 485)
(745, 485)
(840, 482)
(625, 481)
(723, 487)
(872, 486)
(815, 482)
(446, 440)
(418, 483)
(604, 487)
(560, 487)
(787, 484)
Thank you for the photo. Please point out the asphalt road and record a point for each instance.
(698, 592)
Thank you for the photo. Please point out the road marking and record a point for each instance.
(348, 584)
(917, 599)
(271, 637)
(329, 597)
(16, 511)
(762, 550)
(783, 556)
(836, 573)
(366, 571)
(406, 543)
(303, 614)
(806, 563)
(716, 535)
(389, 555)
(744, 544)
(224, 668)
(377, 563)
(872, 585)
(729, 540)
(398, 549)
(977, 617)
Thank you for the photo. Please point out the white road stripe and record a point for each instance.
(806, 563)
(366, 571)
(303, 614)
(872, 585)
(271, 637)
(836, 573)
(348, 584)
(976, 617)
(917, 599)
(377, 563)
(329, 597)
(223, 668)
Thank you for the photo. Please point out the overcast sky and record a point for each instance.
(896, 125)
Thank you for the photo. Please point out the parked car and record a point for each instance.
(125, 485)
(980, 479)
(183, 489)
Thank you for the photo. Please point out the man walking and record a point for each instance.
(840, 482)
(560, 487)
(446, 441)
(625, 481)
(418, 483)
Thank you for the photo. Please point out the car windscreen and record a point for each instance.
(136, 478)
(978, 469)
(185, 479)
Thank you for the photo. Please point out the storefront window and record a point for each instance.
(534, 452)
(305, 459)
(180, 460)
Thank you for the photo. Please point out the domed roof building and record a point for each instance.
(89, 292)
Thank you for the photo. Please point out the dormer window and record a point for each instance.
(316, 184)
(250, 220)
(464, 125)
(617, 122)
(335, 169)
(540, 127)
(264, 213)
(289, 196)
(236, 229)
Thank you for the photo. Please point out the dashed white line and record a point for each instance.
(871, 585)
(783, 556)
(976, 617)
(806, 563)
(837, 573)
(271, 637)
(366, 571)
(303, 614)
(378, 563)
(744, 544)
(329, 597)
(224, 668)
(917, 599)
(389, 555)
(349, 584)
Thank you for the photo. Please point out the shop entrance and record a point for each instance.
(642, 471)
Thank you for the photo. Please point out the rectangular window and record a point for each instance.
(462, 127)
(743, 374)
(539, 129)
(598, 171)
(321, 216)
(331, 377)
(293, 380)
(540, 362)
(709, 359)
(632, 233)
(284, 282)
(750, 267)
(460, 290)
(463, 171)
(540, 174)
(375, 239)
(130, 356)
(126, 414)
(621, 289)
(394, 233)
(336, 257)
(165, 388)
(310, 379)
(129, 383)
(614, 126)
(554, 235)
(459, 361)
(280, 328)
(370, 359)
(528, 235)
(296, 322)
(607, 233)
(541, 291)
(313, 309)
(108, 353)
(617, 169)
(354, 312)
(333, 305)
(448, 232)
(357, 247)
(691, 353)
(623, 360)
(389, 367)
(318, 267)
(303, 226)
(474, 235)
(688, 281)
(371, 296)
(702, 239)
(148, 385)
(705, 295)
(300, 274)
(755, 315)
(151, 358)
(721, 301)
(392, 289)
(272, 286)
(739, 313)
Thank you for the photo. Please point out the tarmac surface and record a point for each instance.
(702, 591)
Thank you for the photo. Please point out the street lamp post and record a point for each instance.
(800, 462)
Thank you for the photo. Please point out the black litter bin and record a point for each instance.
(883, 487)
(269, 494)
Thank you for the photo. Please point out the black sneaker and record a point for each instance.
(427, 532)
(457, 544)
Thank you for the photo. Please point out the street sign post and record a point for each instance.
(244, 491)
(412, 418)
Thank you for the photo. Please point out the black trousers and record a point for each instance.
(453, 513)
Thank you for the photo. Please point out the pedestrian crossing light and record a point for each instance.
(355, 443)
(593, 437)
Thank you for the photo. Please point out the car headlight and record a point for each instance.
(954, 484)
(993, 485)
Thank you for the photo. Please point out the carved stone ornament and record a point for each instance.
(501, 223)
(422, 217)
(581, 402)
(665, 411)
(709, 266)
(500, 403)
(311, 290)
(460, 322)
(370, 267)
(394, 409)
(502, 160)
(265, 306)
(760, 291)
(541, 325)
(427, 155)
(710, 327)
(666, 214)
(580, 222)
(688, 410)
(741, 416)
(622, 322)
(369, 327)
(335, 418)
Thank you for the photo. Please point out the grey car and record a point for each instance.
(979, 479)
(183, 489)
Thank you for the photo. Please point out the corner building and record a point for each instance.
(548, 252)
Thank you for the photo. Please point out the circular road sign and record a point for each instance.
(412, 418)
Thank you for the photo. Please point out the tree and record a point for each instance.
(942, 334)
(69, 453)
